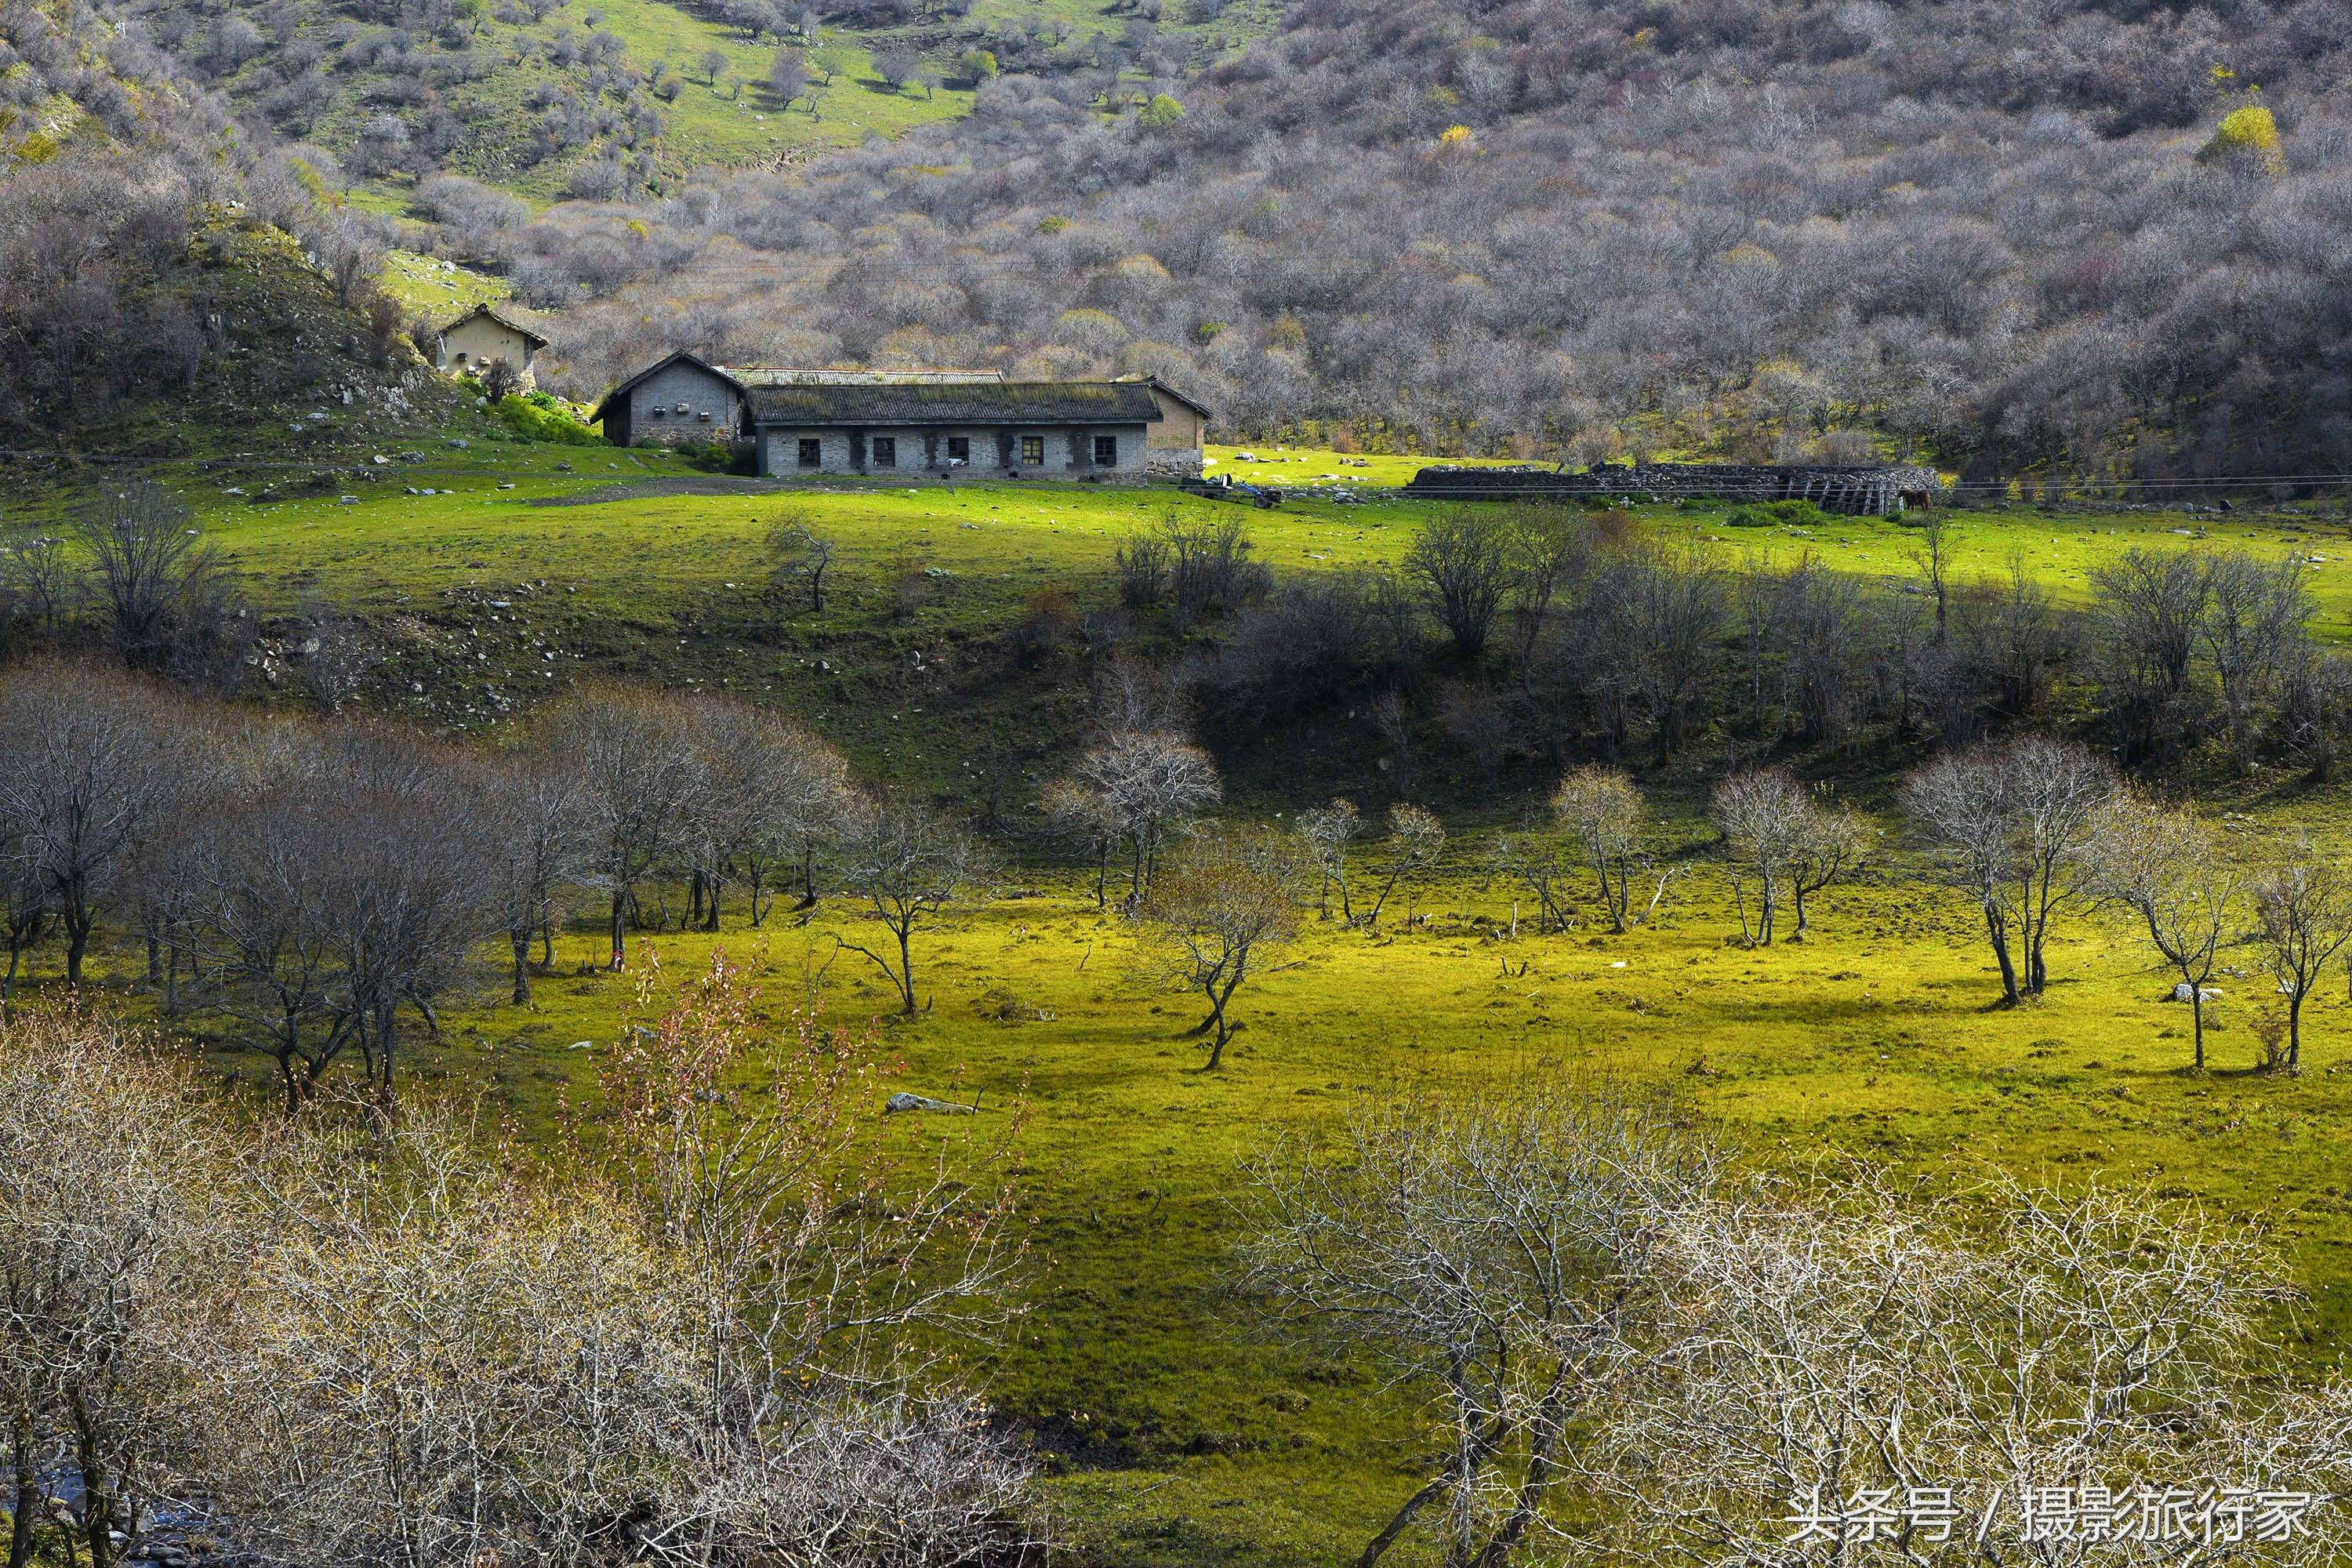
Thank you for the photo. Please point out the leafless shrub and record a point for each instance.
(1831, 1341)
(1502, 1257)
(117, 1231)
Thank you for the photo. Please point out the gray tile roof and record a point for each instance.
(975, 403)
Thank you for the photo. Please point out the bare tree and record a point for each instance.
(1462, 557)
(408, 902)
(1499, 1256)
(1603, 812)
(641, 782)
(80, 781)
(2305, 904)
(1552, 555)
(910, 866)
(48, 585)
(1228, 904)
(1083, 816)
(1665, 610)
(2013, 820)
(1152, 784)
(2256, 617)
(2150, 605)
(534, 837)
(771, 792)
(1830, 847)
(788, 76)
(2166, 868)
(24, 903)
(154, 570)
(799, 551)
(1932, 558)
(1415, 839)
(114, 1225)
(262, 931)
(1762, 816)
(1329, 832)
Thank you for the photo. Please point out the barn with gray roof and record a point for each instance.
(902, 423)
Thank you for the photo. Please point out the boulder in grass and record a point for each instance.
(902, 1100)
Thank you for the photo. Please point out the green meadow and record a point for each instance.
(1184, 1430)
(1192, 1434)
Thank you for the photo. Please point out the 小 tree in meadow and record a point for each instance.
(788, 74)
(1789, 843)
(910, 866)
(2305, 905)
(2165, 866)
(1152, 784)
(800, 553)
(1415, 839)
(1228, 902)
(1604, 815)
(2012, 819)
(1328, 831)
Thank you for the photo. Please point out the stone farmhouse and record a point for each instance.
(935, 423)
(471, 344)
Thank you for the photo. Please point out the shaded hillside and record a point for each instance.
(161, 292)
(2002, 234)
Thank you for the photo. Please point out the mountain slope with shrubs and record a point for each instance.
(2085, 238)
(165, 288)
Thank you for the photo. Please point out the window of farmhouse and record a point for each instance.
(1032, 448)
(1107, 450)
(885, 451)
(958, 449)
(812, 451)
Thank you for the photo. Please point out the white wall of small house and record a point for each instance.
(923, 449)
(474, 342)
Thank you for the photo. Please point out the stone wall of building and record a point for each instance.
(680, 406)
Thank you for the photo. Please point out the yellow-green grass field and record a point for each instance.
(1203, 1436)
(705, 126)
(440, 290)
(652, 542)
(1200, 1433)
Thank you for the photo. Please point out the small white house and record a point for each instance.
(478, 339)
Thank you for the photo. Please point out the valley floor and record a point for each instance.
(1188, 1430)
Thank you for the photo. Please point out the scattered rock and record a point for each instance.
(903, 1101)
